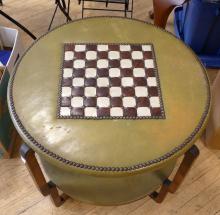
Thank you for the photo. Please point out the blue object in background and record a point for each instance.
(4, 56)
(197, 23)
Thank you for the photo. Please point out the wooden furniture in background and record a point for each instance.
(212, 134)
(162, 10)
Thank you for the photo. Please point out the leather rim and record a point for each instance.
(139, 166)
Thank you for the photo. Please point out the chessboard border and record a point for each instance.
(162, 116)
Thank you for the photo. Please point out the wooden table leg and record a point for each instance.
(172, 186)
(28, 156)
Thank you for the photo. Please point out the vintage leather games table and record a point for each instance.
(108, 104)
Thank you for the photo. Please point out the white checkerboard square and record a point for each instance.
(139, 72)
(66, 91)
(103, 102)
(114, 72)
(80, 48)
(137, 55)
(77, 102)
(69, 55)
(127, 82)
(126, 63)
(90, 91)
(78, 82)
(79, 64)
(91, 72)
(102, 64)
(129, 102)
(91, 55)
(114, 55)
(103, 82)
(90, 112)
(115, 91)
(141, 91)
(116, 112)
(67, 73)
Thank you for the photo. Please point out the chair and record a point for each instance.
(125, 3)
(162, 10)
(61, 4)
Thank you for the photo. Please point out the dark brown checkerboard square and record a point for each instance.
(108, 81)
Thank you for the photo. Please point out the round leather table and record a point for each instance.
(108, 161)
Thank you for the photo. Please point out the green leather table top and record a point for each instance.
(98, 144)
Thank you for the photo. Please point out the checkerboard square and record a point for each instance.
(146, 48)
(154, 102)
(127, 82)
(90, 91)
(126, 63)
(151, 82)
(80, 48)
(129, 102)
(130, 112)
(90, 112)
(90, 102)
(114, 72)
(103, 82)
(79, 64)
(139, 72)
(107, 81)
(102, 91)
(91, 55)
(67, 82)
(67, 73)
(66, 91)
(116, 111)
(141, 91)
(102, 48)
(78, 73)
(103, 102)
(90, 73)
(149, 63)
(103, 112)
(65, 102)
(77, 112)
(80, 55)
(102, 64)
(78, 91)
(143, 111)
(137, 55)
(115, 91)
(78, 82)
(103, 73)
(125, 48)
(128, 91)
(65, 111)
(77, 102)
(69, 55)
(114, 55)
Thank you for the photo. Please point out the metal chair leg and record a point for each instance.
(51, 22)
(18, 24)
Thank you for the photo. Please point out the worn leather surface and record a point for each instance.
(109, 142)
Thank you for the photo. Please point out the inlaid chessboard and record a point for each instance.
(108, 81)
